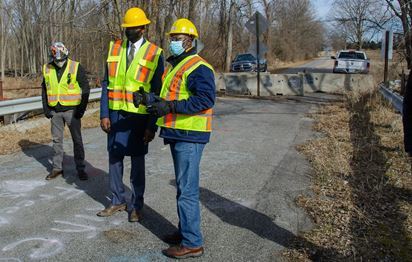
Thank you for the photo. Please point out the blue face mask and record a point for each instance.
(176, 48)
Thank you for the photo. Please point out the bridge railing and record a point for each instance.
(395, 99)
(14, 106)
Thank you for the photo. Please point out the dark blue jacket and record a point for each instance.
(201, 83)
(407, 116)
(127, 129)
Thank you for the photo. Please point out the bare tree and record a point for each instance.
(356, 18)
(403, 10)
(27, 29)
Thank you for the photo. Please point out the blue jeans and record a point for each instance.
(186, 160)
(137, 180)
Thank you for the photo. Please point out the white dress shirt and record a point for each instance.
(137, 45)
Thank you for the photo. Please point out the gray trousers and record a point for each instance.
(58, 121)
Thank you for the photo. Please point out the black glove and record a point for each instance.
(161, 108)
(48, 114)
(78, 115)
(142, 98)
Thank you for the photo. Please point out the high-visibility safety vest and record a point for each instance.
(67, 91)
(175, 88)
(124, 81)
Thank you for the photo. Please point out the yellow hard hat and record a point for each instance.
(183, 26)
(135, 17)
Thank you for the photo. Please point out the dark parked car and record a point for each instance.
(247, 63)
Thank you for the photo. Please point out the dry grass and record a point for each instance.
(21, 87)
(14, 140)
(362, 206)
(395, 66)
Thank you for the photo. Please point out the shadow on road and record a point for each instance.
(97, 185)
(260, 224)
(238, 215)
(156, 223)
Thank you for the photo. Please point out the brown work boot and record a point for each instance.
(173, 239)
(53, 174)
(135, 216)
(183, 252)
(82, 175)
(111, 210)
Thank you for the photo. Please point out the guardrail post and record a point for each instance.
(1, 90)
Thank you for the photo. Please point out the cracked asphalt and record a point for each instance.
(250, 175)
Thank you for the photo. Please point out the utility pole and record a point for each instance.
(385, 72)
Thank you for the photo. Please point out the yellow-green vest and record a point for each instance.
(124, 81)
(67, 91)
(175, 88)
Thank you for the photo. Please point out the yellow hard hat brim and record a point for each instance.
(180, 33)
(145, 22)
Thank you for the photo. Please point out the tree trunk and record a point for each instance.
(229, 37)
(193, 10)
(2, 41)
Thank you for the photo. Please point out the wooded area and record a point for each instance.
(27, 28)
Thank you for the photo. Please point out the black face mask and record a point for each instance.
(133, 34)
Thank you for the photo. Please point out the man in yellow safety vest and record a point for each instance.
(132, 64)
(65, 94)
(185, 117)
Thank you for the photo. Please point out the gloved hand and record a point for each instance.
(77, 114)
(161, 108)
(48, 114)
(141, 97)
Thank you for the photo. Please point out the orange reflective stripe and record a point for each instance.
(113, 69)
(209, 123)
(116, 48)
(151, 52)
(114, 94)
(170, 119)
(114, 52)
(174, 89)
(165, 73)
(143, 72)
(119, 96)
(177, 78)
(208, 113)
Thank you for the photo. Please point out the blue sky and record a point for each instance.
(322, 7)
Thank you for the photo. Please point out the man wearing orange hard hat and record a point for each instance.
(185, 117)
(132, 64)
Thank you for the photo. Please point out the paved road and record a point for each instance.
(320, 65)
(251, 174)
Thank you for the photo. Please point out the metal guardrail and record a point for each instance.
(14, 106)
(395, 99)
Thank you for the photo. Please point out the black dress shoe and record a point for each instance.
(53, 174)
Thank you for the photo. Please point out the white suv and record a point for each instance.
(351, 61)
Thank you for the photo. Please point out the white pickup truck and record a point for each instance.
(351, 61)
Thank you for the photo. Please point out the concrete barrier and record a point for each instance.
(291, 84)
